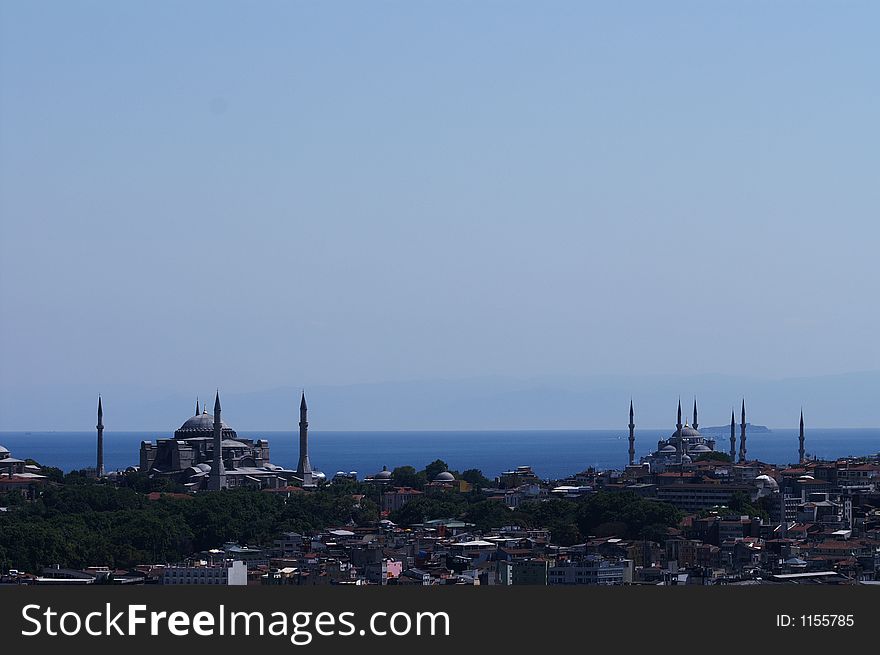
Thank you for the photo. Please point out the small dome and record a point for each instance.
(668, 449)
(384, 474)
(3, 450)
(700, 448)
(766, 481)
(445, 476)
(204, 467)
(685, 459)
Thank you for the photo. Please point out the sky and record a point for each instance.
(248, 196)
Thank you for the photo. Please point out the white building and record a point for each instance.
(228, 573)
(591, 570)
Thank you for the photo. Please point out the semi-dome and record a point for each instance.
(4, 450)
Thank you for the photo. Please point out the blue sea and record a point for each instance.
(552, 453)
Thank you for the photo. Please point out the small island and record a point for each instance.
(750, 428)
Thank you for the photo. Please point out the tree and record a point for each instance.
(435, 468)
(629, 512)
(407, 476)
(714, 456)
(476, 478)
(741, 504)
(488, 514)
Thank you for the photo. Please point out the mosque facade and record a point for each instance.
(685, 444)
(207, 454)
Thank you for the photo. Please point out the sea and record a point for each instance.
(553, 454)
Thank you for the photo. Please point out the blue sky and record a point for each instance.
(247, 195)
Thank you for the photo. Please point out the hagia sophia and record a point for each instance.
(205, 453)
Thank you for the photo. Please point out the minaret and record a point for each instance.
(217, 480)
(197, 406)
(632, 434)
(99, 468)
(304, 468)
(695, 425)
(732, 436)
(742, 435)
(801, 438)
(678, 427)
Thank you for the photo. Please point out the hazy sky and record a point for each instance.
(245, 195)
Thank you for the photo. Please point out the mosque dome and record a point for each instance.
(668, 449)
(700, 448)
(384, 474)
(687, 431)
(766, 481)
(444, 476)
(4, 450)
(202, 425)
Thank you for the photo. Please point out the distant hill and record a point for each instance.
(483, 403)
(750, 428)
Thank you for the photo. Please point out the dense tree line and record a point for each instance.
(78, 525)
(570, 521)
(83, 522)
(408, 476)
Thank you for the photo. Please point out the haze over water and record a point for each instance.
(552, 453)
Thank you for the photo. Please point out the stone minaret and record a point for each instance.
(801, 438)
(742, 434)
(99, 468)
(197, 406)
(732, 436)
(678, 427)
(695, 424)
(217, 480)
(632, 435)
(304, 468)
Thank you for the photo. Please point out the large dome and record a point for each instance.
(202, 425)
(687, 431)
